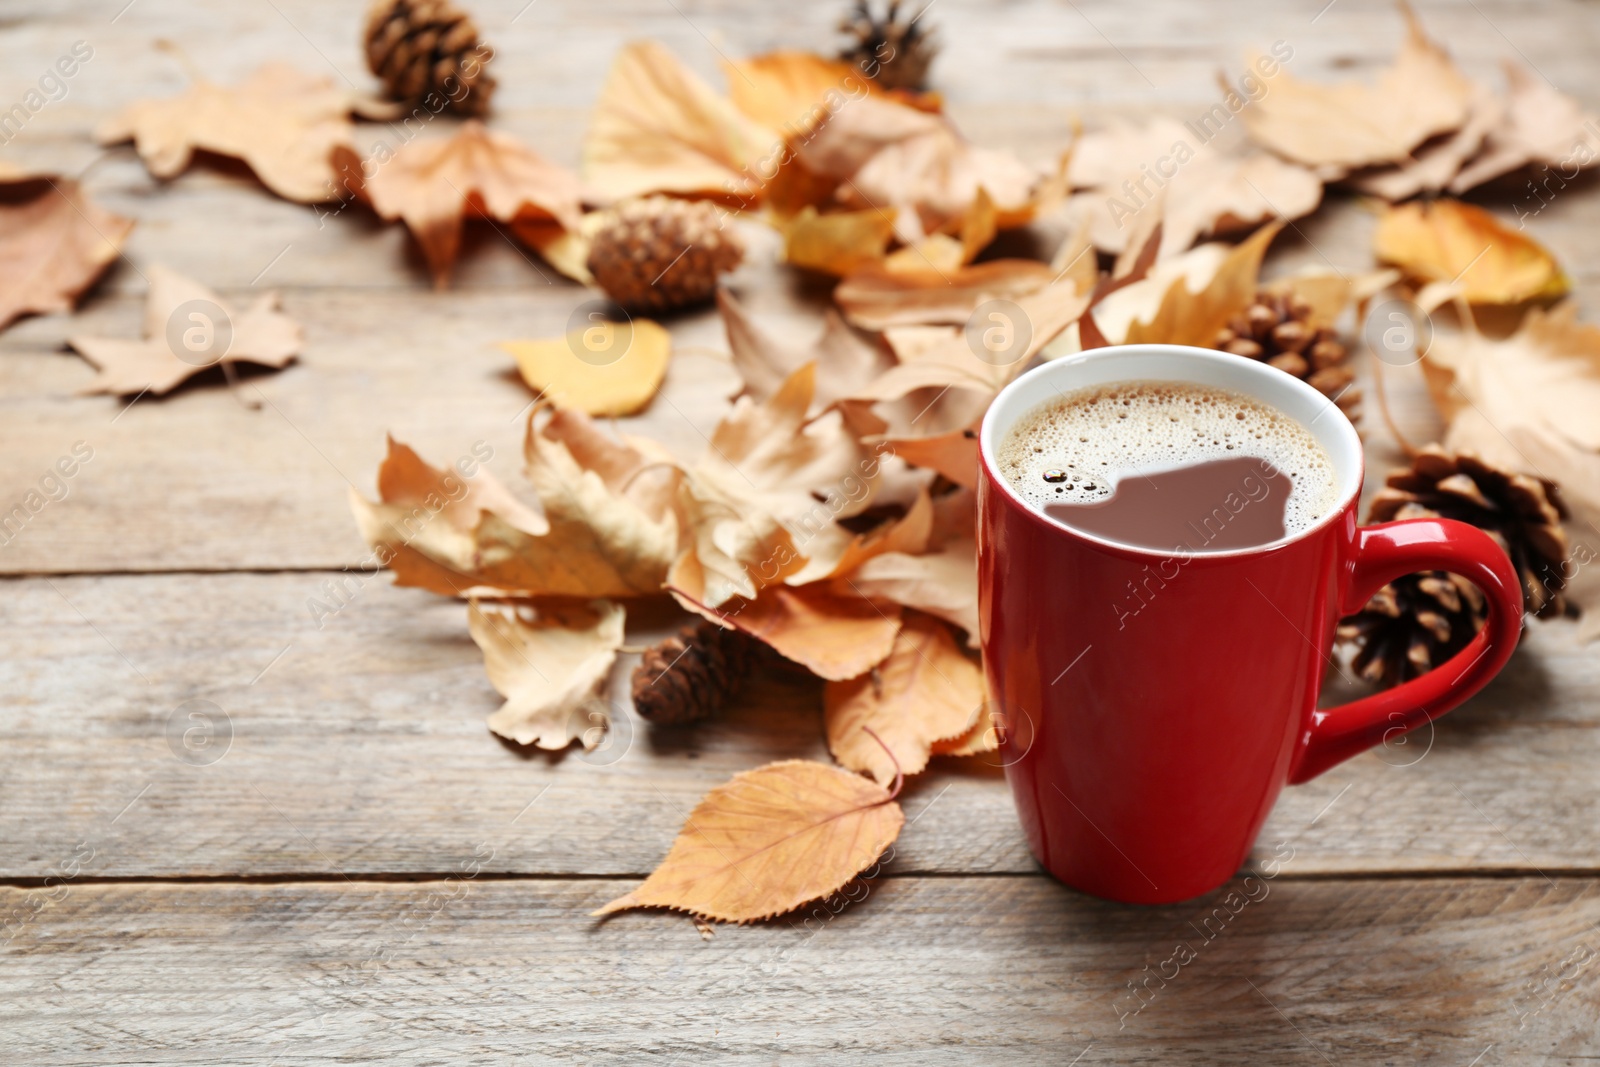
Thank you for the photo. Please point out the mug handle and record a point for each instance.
(1382, 554)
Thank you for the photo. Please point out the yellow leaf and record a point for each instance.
(984, 736)
(585, 371)
(1350, 125)
(1193, 318)
(432, 183)
(833, 635)
(953, 454)
(838, 243)
(659, 128)
(54, 242)
(769, 841)
(549, 667)
(793, 91)
(876, 298)
(926, 690)
(281, 121)
(1468, 248)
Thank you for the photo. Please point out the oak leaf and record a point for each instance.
(281, 121)
(549, 664)
(1190, 317)
(770, 840)
(658, 128)
(54, 242)
(1466, 248)
(577, 371)
(432, 184)
(188, 328)
(1337, 128)
(925, 691)
(1538, 124)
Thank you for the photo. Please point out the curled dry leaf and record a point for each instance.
(834, 635)
(984, 736)
(281, 121)
(1338, 128)
(1538, 124)
(188, 328)
(836, 243)
(54, 242)
(657, 128)
(953, 454)
(549, 665)
(433, 183)
(575, 371)
(943, 583)
(876, 298)
(767, 358)
(770, 840)
(1193, 317)
(1434, 164)
(927, 690)
(793, 91)
(1470, 251)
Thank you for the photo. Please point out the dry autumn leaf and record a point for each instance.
(54, 242)
(1469, 250)
(836, 243)
(1338, 128)
(876, 298)
(770, 840)
(657, 128)
(766, 358)
(793, 91)
(927, 690)
(1538, 124)
(1193, 317)
(833, 635)
(187, 329)
(549, 664)
(984, 736)
(1435, 164)
(579, 370)
(433, 183)
(281, 121)
(943, 583)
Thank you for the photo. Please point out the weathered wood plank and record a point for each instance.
(360, 748)
(921, 971)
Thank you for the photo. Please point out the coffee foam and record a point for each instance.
(1106, 432)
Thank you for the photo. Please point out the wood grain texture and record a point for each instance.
(920, 971)
(360, 748)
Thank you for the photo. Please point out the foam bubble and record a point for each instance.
(1097, 435)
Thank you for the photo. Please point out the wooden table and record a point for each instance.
(367, 873)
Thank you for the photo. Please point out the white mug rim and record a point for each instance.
(1279, 390)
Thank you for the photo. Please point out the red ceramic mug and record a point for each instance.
(1152, 706)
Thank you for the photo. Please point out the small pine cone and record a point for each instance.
(1276, 329)
(1421, 620)
(691, 675)
(894, 52)
(422, 47)
(658, 253)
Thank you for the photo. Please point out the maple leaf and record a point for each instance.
(281, 121)
(188, 328)
(1538, 124)
(549, 666)
(54, 242)
(925, 691)
(431, 183)
(1193, 317)
(1336, 128)
(583, 371)
(659, 128)
(770, 840)
(1468, 250)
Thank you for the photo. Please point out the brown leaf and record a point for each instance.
(984, 736)
(1538, 124)
(1341, 127)
(1468, 249)
(953, 454)
(875, 298)
(942, 583)
(927, 690)
(54, 242)
(833, 635)
(837, 243)
(1187, 317)
(281, 121)
(549, 666)
(793, 91)
(576, 370)
(767, 358)
(188, 328)
(1435, 164)
(659, 128)
(769, 841)
(433, 183)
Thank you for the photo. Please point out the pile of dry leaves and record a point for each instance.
(830, 515)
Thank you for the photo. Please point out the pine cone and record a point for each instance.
(893, 52)
(1277, 329)
(658, 253)
(691, 675)
(422, 47)
(1421, 620)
